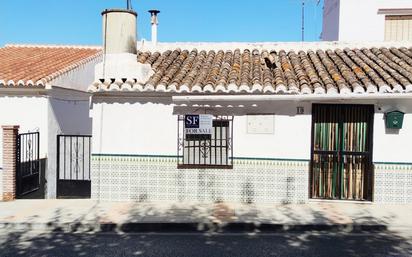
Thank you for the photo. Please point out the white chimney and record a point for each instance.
(119, 31)
(154, 21)
(119, 48)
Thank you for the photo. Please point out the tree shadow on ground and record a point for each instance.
(28, 242)
(25, 243)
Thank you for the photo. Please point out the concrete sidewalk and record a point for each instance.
(89, 215)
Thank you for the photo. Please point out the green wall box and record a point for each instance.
(394, 120)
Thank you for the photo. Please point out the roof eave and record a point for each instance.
(27, 91)
(309, 97)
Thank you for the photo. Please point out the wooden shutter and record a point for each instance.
(341, 166)
(398, 28)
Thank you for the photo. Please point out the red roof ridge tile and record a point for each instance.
(54, 46)
(276, 45)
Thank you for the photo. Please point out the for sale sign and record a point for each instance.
(198, 126)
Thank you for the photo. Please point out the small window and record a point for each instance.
(212, 150)
(398, 28)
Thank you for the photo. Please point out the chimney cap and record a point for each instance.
(119, 10)
(154, 11)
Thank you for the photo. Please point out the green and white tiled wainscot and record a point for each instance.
(156, 178)
(393, 183)
(1, 184)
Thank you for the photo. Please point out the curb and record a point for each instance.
(192, 227)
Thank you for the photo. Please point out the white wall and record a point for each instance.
(29, 113)
(151, 128)
(139, 127)
(147, 126)
(134, 128)
(79, 78)
(359, 20)
(68, 113)
(61, 112)
(392, 145)
(290, 140)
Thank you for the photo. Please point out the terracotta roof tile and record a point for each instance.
(36, 65)
(347, 70)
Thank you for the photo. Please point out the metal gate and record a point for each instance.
(28, 163)
(341, 166)
(73, 166)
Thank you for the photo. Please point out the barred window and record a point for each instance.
(206, 150)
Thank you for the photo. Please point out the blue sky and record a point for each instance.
(79, 21)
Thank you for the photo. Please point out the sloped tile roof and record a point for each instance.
(29, 66)
(346, 70)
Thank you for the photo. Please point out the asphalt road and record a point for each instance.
(283, 244)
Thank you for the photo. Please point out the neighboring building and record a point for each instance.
(43, 91)
(367, 20)
(282, 123)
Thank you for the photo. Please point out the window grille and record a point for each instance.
(206, 152)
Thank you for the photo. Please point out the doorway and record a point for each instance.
(73, 166)
(341, 156)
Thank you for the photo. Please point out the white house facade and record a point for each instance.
(253, 122)
(45, 96)
(138, 160)
(367, 20)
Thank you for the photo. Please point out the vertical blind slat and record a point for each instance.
(340, 175)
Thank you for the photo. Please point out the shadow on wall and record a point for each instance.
(41, 192)
(238, 108)
(181, 185)
(248, 193)
(207, 188)
(79, 120)
(389, 131)
(290, 190)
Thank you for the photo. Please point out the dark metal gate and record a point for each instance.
(28, 163)
(73, 166)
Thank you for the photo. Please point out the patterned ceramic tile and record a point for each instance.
(118, 178)
(1, 185)
(393, 183)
